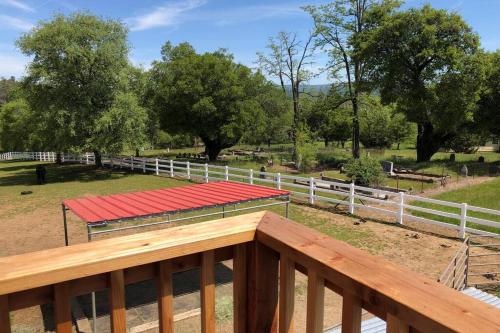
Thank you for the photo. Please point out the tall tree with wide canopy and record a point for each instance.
(338, 25)
(77, 77)
(425, 61)
(207, 95)
(488, 114)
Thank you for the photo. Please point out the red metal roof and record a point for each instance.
(136, 204)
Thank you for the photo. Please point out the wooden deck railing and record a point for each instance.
(266, 251)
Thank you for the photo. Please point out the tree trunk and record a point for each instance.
(398, 145)
(58, 158)
(343, 144)
(212, 149)
(98, 159)
(137, 152)
(269, 143)
(355, 129)
(296, 119)
(327, 142)
(428, 143)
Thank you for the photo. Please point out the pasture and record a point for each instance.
(34, 222)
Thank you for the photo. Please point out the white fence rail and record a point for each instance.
(404, 207)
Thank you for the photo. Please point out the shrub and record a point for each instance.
(365, 171)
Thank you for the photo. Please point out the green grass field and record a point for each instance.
(483, 195)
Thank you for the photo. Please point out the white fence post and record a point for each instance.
(206, 173)
(144, 164)
(311, 190)
(188, 170)
(401, 207)
(463, 220)
(351, 199)
(226, 173)
(250, 176)
(87, 158)
(172, 168)
(157, 169)
(62, 157)
(121, 162)
(278, 181)
(132, 163)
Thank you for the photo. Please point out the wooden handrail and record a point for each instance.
(379, 285)
(266, 249)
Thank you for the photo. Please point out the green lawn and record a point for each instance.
(483, 195)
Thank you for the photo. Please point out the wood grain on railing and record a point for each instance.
(117, 301)
(240, 287)
(62, 308)
(351, 313)
(207, 292)
(165, 297)
(287, 295)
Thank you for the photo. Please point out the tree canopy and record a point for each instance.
(77, 77)
(425, 61)
(208, 95)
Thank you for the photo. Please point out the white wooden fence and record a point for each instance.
(400, 205)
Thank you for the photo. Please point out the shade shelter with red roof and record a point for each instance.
(117, 208)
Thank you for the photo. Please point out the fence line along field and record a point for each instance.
(461, 217)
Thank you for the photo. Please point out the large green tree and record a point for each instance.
(425, 60)
(330, 119)
(78, 76)
(272, 117)
(488, 114)
(207, 95)
(338, 26)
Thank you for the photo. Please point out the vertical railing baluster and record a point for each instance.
(395, 325)
(287, 294)
(207, 292)
(62, 308)
(4, 314)
(315, 302)
(262, 289)
(117, 302)
(165, 297)
(240, 288)
(351, 313)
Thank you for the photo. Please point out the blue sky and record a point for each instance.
(243, 27)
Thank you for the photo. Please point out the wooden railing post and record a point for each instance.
(4, 314)
(117, 301)
(165, 297)
(351, 313)
(240, 288)
(315, 302)
(395, 325)
(262, 289)
(62, 308)
(207, 292)
(287, 294)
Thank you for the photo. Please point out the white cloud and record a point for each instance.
(16, 23)
(164, 16)
(12, 65)
(18, 5)
(254, 13)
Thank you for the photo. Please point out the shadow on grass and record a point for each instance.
(59, 174)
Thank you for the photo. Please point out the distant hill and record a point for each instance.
(313, 89)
